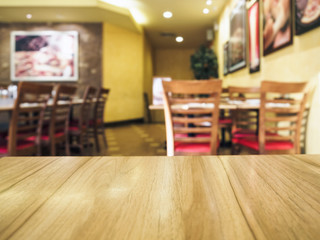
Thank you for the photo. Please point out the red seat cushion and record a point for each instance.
(239, 132)
(271, 145)
(20, 146)
(193, 147)
(247, 133)
(73, 128)
(46, 137)
(225, 121)
(242, 133)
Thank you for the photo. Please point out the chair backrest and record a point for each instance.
(281, 111)
(100, 103)
(86, 106)
(27, 116)
(60, 114)
(243, 93)
(244, 119)
(192, 108)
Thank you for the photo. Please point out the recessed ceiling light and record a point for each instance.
(205, 11)
(209, 2)
(167, 14)
(29, 16)
(179, 39)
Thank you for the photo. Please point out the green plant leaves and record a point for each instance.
(204, 63)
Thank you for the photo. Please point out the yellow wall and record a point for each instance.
(174, 62)
(298, 62)
(123, 73)
(148, 70)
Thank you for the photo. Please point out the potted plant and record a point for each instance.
(204, 63)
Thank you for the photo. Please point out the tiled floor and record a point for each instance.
(137, 140)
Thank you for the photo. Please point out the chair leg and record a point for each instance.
(81, 143)
(38, 150)
(104, 136)
(235, 149)
(67, 146)
(95, 133)
(223, 136)
(53, 149)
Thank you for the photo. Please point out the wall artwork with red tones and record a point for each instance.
(277, 25)
(307, 15)
(44, 56)
(254, 39)
(237, 42)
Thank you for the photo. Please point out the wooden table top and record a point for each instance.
(6, 105)
(221, 106)
(212, 197)
(225, 104)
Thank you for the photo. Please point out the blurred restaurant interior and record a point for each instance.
(108, 108)
(122, 45)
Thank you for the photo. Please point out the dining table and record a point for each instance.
(194, 197)
(7, 104)
(225, 104)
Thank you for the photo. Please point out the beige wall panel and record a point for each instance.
(174, 62)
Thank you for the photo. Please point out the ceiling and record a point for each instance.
(188, 20)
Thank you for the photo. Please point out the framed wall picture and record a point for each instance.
(254, 37)
(277, 25)
(225, 59)
(307, 15)
(237, 42)
(44, 56)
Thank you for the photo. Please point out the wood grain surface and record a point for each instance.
(212, 197)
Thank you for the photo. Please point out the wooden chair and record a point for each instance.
(78, 127)
(225, 119)
(26, 120)
(244, 121)
(192, 121)
(58, 130)
(96, 125)
(279, 119)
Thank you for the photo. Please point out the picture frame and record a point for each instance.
(277, 25)
(307, 15)
(226, 58)
(254, 37)
(237, 41)
(44, 56)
